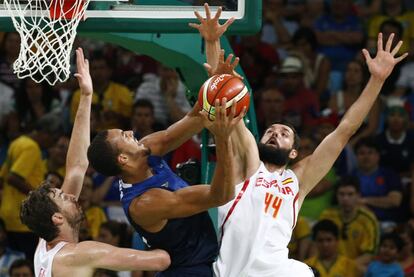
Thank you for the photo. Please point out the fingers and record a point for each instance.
(400, 58)
(379, 42)
(233, 109)
(366, 55)
(396, 48)
(199, 17)
(240, 116)
(218, 14)
(194, 25)
(389, 43)
(209, 69)
(229, 59)
(221, 56)
(235, 63)
(228, 23)
(207, 9)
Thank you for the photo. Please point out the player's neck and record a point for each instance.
(70, 236)
(274, 168)
(137, 176)
(348, 216)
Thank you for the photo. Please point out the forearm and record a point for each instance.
(323, 186)
(384, 202)
(213, 52)
(76, 160)
(99, 193)
(359, 110)
(19, 183)
(222, 185)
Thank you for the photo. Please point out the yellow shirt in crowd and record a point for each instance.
(95, 216)
(301, 231)
(24, 158)
(358, 237)
(116, 98)
(342, 267)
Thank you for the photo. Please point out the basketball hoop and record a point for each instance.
(47, 29)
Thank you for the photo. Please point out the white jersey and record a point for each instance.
(43, 259)
(257, 225)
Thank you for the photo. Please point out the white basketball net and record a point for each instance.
(47, 30)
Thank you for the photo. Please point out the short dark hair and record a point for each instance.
(395, 24)
(119, 229)
(349, 181)
(144, 103)
(395, 238)
(21, 263)
(325, 225)
(2, 225)
(37, 211)
(102, 156)
(368, 142)
(307, 34)
(49, 123)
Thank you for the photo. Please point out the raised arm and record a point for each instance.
(76, 160)
(313, 168)
(92, 254)
(152, 210)
(243, 142)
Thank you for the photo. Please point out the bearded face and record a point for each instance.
(273, 155)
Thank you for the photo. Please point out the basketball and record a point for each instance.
(220, 86)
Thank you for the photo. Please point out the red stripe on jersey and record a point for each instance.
(239, 196)
(294, 210)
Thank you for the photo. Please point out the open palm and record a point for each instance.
(83, 76)
(210, 28)
(382, 65)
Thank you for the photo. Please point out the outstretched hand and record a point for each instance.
(223, 124)
(210, 28)
(82, 74)
(382, 65)
(224, 67)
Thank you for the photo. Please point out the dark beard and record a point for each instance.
(75, 221)
(273, 155)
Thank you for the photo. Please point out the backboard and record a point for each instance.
(157, 16)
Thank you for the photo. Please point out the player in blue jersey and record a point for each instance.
(163, 208)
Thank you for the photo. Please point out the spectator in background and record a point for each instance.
(317, 74)
(33, 100)
(270, 108)
(7, 256)
(386, 265)
(94, 214)
(21, 268)
(406, 255)
(166, 93)
(328, 261)
(393, 9)
(300, 243)
(381, 187)
(7, 102)
(356, 77)
(301, 104)
(404, 87)
(396, 143)
(143, 118)
(358, 227)
(320, 198)
(56, 160)
(339, 34)
(257, 58)
(114, 99)
(9, 51)
(54, 179)
(23, 171)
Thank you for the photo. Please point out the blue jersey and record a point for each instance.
(190, 241)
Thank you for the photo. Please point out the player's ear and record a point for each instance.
(57, 219)
(122, 159)
(293, 154)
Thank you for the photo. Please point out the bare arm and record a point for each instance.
(99, 193)
(18, 183)
(94, 254)
(313, 168)
(155, 207)
(76, 160)
(323, 77)
(391, 200)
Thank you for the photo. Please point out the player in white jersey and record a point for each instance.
(55, 215)
(257, 224)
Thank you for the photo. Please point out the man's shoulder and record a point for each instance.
(330, 213)
(366, 216)
(23, 142)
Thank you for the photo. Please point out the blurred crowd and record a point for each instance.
(305, 68)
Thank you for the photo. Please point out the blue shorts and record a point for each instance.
(193, 271)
